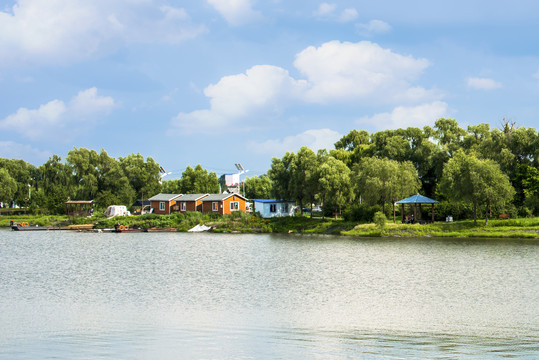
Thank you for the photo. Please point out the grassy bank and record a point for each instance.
(247, 223)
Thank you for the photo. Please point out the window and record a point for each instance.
(183, 206)
(162, 206)
(273, 207)
(214, 206)
(234, 206)
(285, 207)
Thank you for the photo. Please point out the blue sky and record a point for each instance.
(219, 82)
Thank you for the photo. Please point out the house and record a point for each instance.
(190, 202)
(162, 203)
(274, 208)
(223, 203)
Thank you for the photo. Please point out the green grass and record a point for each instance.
(239, 222)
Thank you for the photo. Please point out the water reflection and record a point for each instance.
(73, 295)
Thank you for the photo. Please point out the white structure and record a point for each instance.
(269, 208)
(117, 210)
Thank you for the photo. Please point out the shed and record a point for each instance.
(269, 208)
(224, 203)
(414, 201)
(162, 203)
(189, 202)
(79, 207)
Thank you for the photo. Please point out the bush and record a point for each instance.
(361, 212)
(380, 220)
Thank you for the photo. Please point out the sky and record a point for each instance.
(220, 82)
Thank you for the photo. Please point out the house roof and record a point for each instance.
(417, 199)
(221, 197)
(271, 201)
(192, 197)
(164, 197)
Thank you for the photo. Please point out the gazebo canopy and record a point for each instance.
(417, 199)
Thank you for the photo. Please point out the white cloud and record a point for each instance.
(344, 71)
(56, 120)
(403, 117)
(373, 27)
(62, 31)
(483, 84)
(335, 73)
(13, 150)
(327, 11)
(314, 139)
(536, 75)
(237, 97)
(348, 15)
(236, 12)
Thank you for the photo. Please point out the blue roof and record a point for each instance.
(268, 201)
(417, 199)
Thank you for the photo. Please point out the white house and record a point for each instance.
(273, 208)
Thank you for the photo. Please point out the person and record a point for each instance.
(91, 211)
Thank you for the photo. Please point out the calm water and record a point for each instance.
(201, 296)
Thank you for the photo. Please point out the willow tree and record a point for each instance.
(467, 178)
(335, 187)
(380, 180)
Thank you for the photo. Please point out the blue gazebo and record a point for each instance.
(415, 200)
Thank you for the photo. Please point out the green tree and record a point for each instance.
(56, 183)
(379, 181)
(258, 187)
(8, 186)
(304, 177)
(280, 176)
(466, 178)
(143, 176)
(198, 181)
(335, 186)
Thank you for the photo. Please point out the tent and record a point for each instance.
(414, 201)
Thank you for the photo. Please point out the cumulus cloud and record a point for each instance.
(343, 71)
(261, 88)
(413, 116)
(373, 27)
(315, 139)
(57, 120)
(335, 72)
(236, 12)
(483, 84)
(62, 31)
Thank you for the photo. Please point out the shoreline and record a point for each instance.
(527, 228)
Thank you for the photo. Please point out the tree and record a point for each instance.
(280, 176)
(466, 178)
(258, 187)
(56, 181)
(379, 181)
(198, 181)
(8, 186)
(304, 177)
(143, 176)
(335, 186)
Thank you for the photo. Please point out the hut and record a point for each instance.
(415, 201)
(79, 208)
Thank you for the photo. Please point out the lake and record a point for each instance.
(68, 295)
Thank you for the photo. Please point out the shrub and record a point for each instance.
(380, 220)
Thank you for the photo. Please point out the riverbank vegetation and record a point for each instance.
(478, 172)
(249, 223)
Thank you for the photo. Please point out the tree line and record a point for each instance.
(472, 171)
(89, 175)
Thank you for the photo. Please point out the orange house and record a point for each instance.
(223, 203)
(162, 203)
(189, 202)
